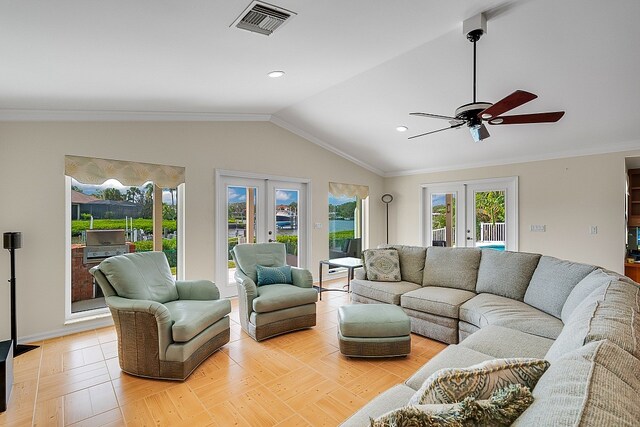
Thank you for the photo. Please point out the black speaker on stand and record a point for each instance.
(13, 241)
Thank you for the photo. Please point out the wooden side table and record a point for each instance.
(6, 373)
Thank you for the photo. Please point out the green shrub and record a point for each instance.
(146, 224)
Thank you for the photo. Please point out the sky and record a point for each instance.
(114, 183)
(283, 197)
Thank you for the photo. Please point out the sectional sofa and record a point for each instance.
(491, 304)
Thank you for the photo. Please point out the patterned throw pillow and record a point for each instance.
(382, 265)
(451, 385)
(273, 275)
(501, 409)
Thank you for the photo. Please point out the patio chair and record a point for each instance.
(165, 328)
(267, 310)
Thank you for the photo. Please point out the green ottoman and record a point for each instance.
(373, 330)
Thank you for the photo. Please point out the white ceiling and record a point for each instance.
(355, 69)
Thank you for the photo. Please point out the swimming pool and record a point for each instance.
(496, 246)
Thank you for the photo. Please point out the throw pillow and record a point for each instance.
(451, 385)
(501, 409)
(382, 265)
(273, 275)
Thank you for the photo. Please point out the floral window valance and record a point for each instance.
(348, 190)
(90, 170)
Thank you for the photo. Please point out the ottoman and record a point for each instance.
(373, 330)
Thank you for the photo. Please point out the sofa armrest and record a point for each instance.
(360, 273)
(197, 290)
(153, 308)
(301, 277)
(247, 291)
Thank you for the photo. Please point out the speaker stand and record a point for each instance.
(18, 349)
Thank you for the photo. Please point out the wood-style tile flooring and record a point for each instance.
(296, 379)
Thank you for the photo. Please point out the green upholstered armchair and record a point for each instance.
(270, 310)
(165, 328)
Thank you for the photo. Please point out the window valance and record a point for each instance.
(90, 170)
(348, 190)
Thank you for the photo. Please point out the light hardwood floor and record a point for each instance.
(296, 379)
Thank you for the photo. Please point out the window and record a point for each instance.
(112, 210)
(347, 219)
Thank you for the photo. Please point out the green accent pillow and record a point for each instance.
(273, 275)
(382, 265)
(451, 385)
(502, 408)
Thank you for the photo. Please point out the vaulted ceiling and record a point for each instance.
(354, 70)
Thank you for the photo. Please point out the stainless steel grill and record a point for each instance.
(102, 244)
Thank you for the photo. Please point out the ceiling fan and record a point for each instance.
(474, 113)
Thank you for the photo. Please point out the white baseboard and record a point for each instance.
(70, 328)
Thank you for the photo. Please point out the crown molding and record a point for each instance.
(612, 148)
(126, 116)
(303, 134)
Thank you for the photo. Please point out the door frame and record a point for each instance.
(509, 184)
(221, 244)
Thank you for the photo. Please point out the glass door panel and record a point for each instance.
(489, 226)
(286, 222)
(443, 219)
(444, 208)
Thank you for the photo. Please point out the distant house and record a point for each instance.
(84, 203)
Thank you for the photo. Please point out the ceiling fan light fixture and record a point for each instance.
(486, 116)
(496, 121)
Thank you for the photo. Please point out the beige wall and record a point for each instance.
(33, 193)
(567, 195)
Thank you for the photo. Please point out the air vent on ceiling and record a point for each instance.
(262, 18)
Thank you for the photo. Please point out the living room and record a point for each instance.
(577, 183)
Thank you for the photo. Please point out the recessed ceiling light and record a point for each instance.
(276, 74)
(402, 128)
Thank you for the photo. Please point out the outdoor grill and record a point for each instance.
(102, 244)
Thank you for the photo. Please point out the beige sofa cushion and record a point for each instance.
(411, 262)
(595, 385)
(552, 282)
(488, 309)
(454, 356)
(583, 289)
(501, 342)
(611, 312)
(387, 292)
(506, 273)
(435, 300)
(451, 267)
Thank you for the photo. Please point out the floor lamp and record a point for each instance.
(13, 241)
(386, 199)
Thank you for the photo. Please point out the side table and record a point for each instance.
(349, 263)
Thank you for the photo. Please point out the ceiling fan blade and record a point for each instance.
(527, 118)
(510, 102)
(433, 116)
(479, 133)
(434, 131)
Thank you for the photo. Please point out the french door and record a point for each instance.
(482, 213)
(256, 210)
